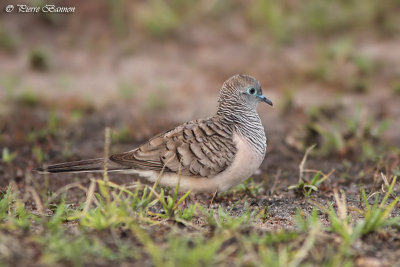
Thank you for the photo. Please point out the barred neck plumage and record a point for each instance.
(246, 122)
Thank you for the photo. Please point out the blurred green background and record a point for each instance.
(119, 48)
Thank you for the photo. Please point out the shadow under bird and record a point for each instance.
(209, 155)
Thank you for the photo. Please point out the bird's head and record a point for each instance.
(241, 92)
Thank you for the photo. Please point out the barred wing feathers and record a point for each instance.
(201, 148)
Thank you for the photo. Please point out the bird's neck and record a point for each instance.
(246, 123)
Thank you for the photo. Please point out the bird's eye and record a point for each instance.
(251, 91)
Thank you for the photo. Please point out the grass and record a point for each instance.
(156, 100)
(7, 156)
(304, 186)
(396, 88)
(127, 90)
(7, 41)
(247, 188)
(51, 128)
(38, 153)
(118, 17)
(39, 59)
(307, 187)
(358, 134)
(123, 134)
(28, 98)
(340, 65)
(284, 21)
(121, 224)
(375, 217)
(160, 18)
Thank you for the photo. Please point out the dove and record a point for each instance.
(203, 155)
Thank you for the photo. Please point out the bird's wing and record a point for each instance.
(198, 148)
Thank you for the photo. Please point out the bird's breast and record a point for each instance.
(247, 160)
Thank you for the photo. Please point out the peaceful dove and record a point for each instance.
(209, 155)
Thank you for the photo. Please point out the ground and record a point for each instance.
(335, 85)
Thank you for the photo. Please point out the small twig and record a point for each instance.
(341, 204)
(36, 198)
(313, 171)
(115, 186)
(179, 181)
(387, 184)
(276, 177)
(107, 142)
(362, 122)
(373, 194)
(64, 189)
(46, 178)
(153, 189)
(213, 197)
(303, 162)
(326, 176)
(90, 195)
(384, 184)
(385, 180)
(135, 185)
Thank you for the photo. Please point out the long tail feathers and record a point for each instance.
(88, 165)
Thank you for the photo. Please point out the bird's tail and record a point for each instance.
(88, 165)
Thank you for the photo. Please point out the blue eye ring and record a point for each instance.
(252, 91)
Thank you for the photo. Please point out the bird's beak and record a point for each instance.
(266, 100)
